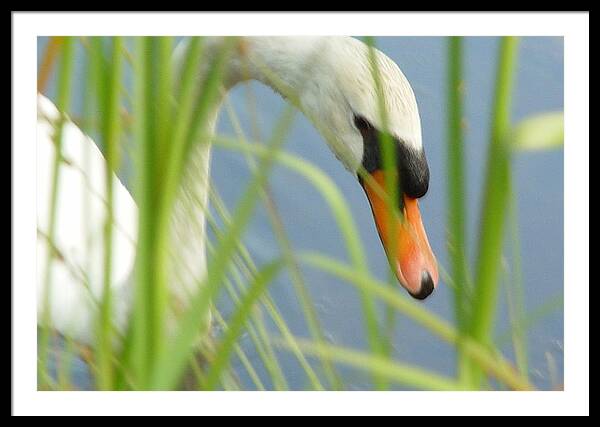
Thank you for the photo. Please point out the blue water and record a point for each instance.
(539, 185)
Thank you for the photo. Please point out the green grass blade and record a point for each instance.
(164, 108)
(171, 364)
(381, 367)
(187, 92)
(255, 324)
(491, 362)
(65, 362)
(256, 328)
(162, 113)
(278, 378)
(457, 214)
(392, 184)
(238, 320)
(51, 52)
(242, 357)
(353, 244)
(63, 101)
(326, 187)
(539, 132)
(331, 194)
(495, 201)
(308, 308)
(529, 320)
(139, 360)
(110, 132)
(515, 292)
(237, 266)
(209, 94)
(243, 264)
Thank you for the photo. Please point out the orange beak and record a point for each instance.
(404, 239)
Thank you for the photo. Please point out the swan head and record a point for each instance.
(343, 103)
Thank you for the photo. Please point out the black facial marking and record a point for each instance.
(411, 163)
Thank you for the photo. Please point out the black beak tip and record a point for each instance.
(426, 286)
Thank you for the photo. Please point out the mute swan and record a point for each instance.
(337, 95)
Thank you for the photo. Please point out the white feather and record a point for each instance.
(77, 273)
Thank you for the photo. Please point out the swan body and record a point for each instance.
(77, 270)
(333, 82)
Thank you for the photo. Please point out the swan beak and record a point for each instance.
(404, 239)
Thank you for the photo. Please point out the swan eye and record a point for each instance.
(362, 124)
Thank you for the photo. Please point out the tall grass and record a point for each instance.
(495, 201)
(108, 96)
(169, 347)
(456, 191)
(63, 102)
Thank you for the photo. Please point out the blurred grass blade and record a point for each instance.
(345, 222)
(457, 213)
(110, 83)
(161, 106)
(241, 354)
(186, 95)
(164, 87)
(238, 320)
(278, 378)
(210, 94)
(242, 265)
(328, 190)
(530, 320)
(63, 103)
(49, 58)
(539, 132)
(495, 201)
(379, 366)
(492, 363)
(138, 343)
(256, 326)
(392, 186)
(170, 364)
(308, 307)
(164, 149)
(515, 293)
(331, 194)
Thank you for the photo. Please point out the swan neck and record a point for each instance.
(274, 61)
(278, 62)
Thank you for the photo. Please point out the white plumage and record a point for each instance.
(77, 271)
